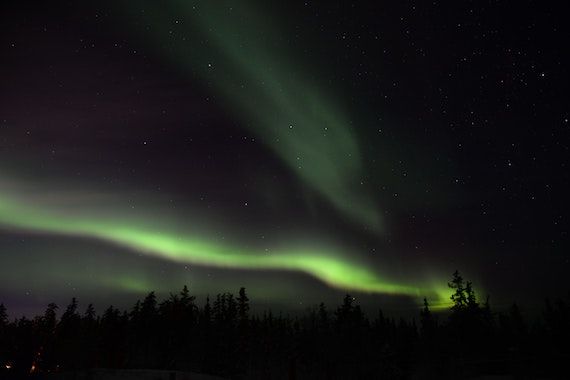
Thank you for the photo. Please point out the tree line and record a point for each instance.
(222, 337)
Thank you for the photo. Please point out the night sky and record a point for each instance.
(301, 149)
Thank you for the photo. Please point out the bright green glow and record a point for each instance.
(239, 53)
(330, 267)
(441, 299)
(441, 296)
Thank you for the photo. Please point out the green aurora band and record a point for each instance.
(332, 268)
(238, 54)
(231, 49)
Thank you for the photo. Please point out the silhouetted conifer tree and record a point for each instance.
(323, 317)
(207, 312)
(89, 315)
(68, 330)
(459, 297)
(148, 306)
(471, 299)
(243, 306)
(3, 315)
(49, 319)
(46, 331)
(135, 311)
(427, 322)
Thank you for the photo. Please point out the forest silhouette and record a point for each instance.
(223, 338)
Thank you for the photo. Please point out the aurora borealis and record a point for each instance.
(303, 150)
(280, 103)
(326, 266)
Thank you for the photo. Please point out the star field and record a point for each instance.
(299, 149)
